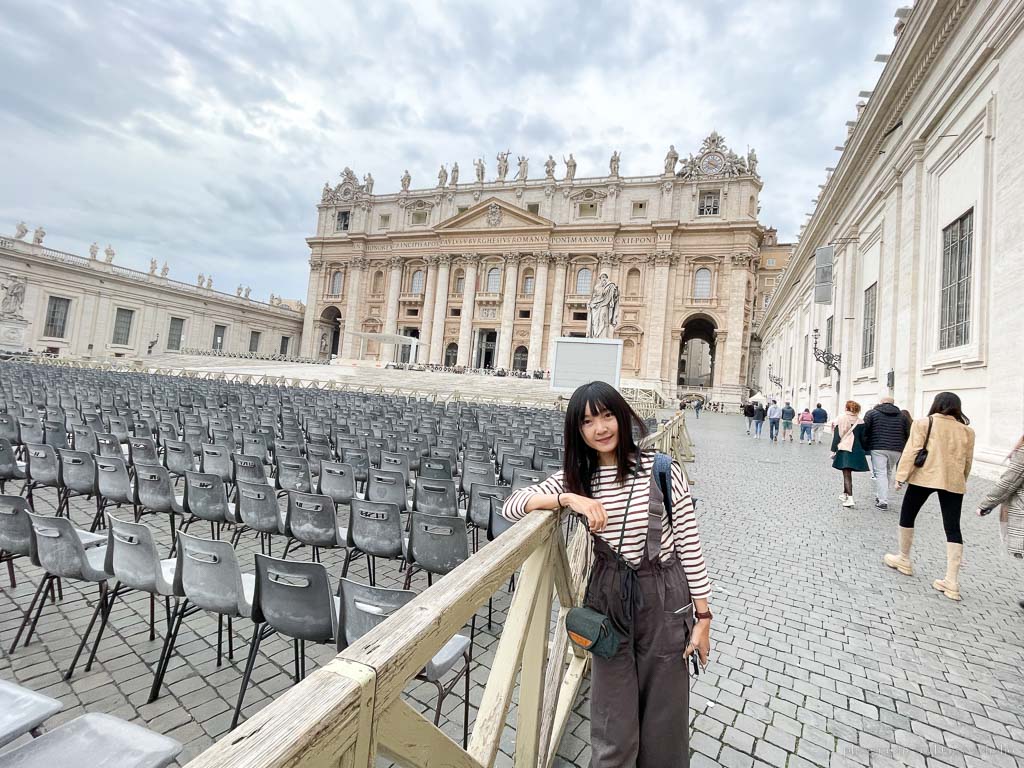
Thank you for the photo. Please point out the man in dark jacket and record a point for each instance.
(819, 418)
(788, 414)
(759, 416)
(885, 434)
(748, 412)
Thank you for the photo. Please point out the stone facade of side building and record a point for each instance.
(91, 308)
(486, 274)
(922, 215)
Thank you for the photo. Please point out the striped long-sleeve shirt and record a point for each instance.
(682, 535)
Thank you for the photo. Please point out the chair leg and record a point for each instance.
(152, 617)
(168, 650)
(295, 647)
(441, 693)
(60, 590)
(7, 557)
(118, 591)
(465, 706)
(39, 595)
(39, 609)
(231, 641)
(348, 559)
(287, 547)
(254, 647)
(372, 568)
(220, 638)
(101, 606)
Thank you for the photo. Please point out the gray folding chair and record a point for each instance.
(178, 458)
(292, 474)
(10, 467)
(206, 498)
(42, 469)
(374, 530)
(435, 468)
(22, 711)
(437, 544)
(313, 520)
(216, 460)
(249, 469)
(76, 477)
(142, 450)
(155, 493)
(383, 485)
(523, 477)
(478, 509)
(114, 485)
(392, 461)
(258, 510)
(436, 497)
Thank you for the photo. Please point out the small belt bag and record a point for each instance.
(922, 453)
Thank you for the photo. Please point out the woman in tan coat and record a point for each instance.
(950, 446)
(1009, 490)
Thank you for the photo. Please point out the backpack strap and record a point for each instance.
(662, 473)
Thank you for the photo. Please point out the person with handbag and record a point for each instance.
(1008, 495)
(646, 607)
(936, 459)
(847, 450)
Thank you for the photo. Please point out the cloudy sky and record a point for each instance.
(201, 133)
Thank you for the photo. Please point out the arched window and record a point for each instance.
(451, 355)
(417, 281)
(519, 358)
(336, 282)
(584, 279)
(528, 282)
(702, 283)
(493, 280)
(459, 282)
(633, 282)
(378, 282)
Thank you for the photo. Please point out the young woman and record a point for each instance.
(847, 450)
(950, 444)
(1009, 492)
(806, 421)
(649, 577)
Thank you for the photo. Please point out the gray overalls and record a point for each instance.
(639, 708)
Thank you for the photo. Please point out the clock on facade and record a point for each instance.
(712, 163)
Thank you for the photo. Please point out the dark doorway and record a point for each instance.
(487, 342)
(330, 339)
(406, 353)
(697, 352)
(519, 358)
(451, 355)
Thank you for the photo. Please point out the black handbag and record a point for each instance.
(922, 453)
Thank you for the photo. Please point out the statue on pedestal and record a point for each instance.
(613, 164)
(454, 180)
(524, 168)
(503, 164)
(245, 293)
(442, 176)
(152, 266)
(368, 183)
(549, 167)
(570, 167)
(209, 283)
(108, 254)
(93, 250)
(752, 162)
(164, 270)
(406, 181)
(20, 230)
(603, 316)
(478, 164)
(327, 194)
(671, 158)
(238, 291)
(38, 235)
(201, 280)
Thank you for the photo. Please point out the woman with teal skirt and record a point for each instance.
(847, 450)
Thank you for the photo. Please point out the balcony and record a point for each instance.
(577, 299)
(410, 298)
(488, 297)
(704, 302)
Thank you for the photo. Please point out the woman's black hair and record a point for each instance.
(580, 461)
(948, 404)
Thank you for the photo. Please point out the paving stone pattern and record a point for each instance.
(821, 655)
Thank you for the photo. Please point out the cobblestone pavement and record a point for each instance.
(821, 655)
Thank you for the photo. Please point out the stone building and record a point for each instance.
(918, 223)
(485, 274)
(772, 262)
(92, 308)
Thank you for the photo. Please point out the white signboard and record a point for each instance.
(580, 361)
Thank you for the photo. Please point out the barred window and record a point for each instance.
(460, 282)
(955, 300)
(493, 280)
(122, 326)
(702, 283)
(57, 317)
(528, 283)
(341, 225)
(417, 281)
(867, 352)
(174, 333)
(584, 280)
(336, 283)
(708, 204)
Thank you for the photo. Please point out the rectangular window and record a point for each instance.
(771, 262)
(254, 341)
(412, 312)
(122, 326)
(384, 222)
(524, 314)
(462, 209)
(342, 223)
(455, 312)
(955, 297)
(419, 217)
(57, 317)
(587, 211)
(219, 332)
(579, 315)
(828, 334)
(174, 333)
(867, 352)
(285, 340)
(533, 208)
(708, 204)
(640, 208)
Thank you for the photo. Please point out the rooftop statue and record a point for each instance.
(478, 164)
(570, 167)
(406, 181)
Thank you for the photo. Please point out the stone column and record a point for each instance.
(557, 305)
(540, 302)
(732, 292)
(427, 312)
(313, 293)
(440, 308)
(655, 333)
(350, 343)
(391, 310)
(470, 260)
(508, 310)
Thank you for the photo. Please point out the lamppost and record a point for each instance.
(828, 358)
(776, 380)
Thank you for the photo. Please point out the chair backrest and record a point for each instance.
(78, 471)
(476, 472)
(15, 526)
(119, 428)
(9, 428)
(178, 457)
(248, 468)
(216, 460)
(338, 481)
(382, 485)
(358, 459)
(56, 547)
(153, 488)
(292, 473)
(108, 444)
(480, 496)
(480, 456)
(132, 555)
(364, 607)
(524, 476)
(206, 497)
(41, 463)
(257, 507)
(112, 479)
(294, 597)
(438, 543)
(313, 519)
(256, 445)
(436, 497)
(31, 429)
(55, 433)
(84, 439)
(497, 524)
(8, 461)
(375, 527)
(436, 468)
(142, 450)
(543, 453)
(393, 461)
(510, 462)
(207, 573)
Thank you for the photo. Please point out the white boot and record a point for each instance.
(848, 501)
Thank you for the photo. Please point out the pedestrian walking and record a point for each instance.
(788, 415)
(819, 418)
(847, 449)
(806, 422)
(759, 416)
(649, 578)
(748, 412)
(774, 417)
(1008, 495)
(936, 459)
(697, 407)
(885, 434)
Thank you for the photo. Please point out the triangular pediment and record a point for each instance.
(491, 214)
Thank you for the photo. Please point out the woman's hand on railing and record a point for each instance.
(592, 509)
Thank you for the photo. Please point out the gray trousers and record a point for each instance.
(639, 699)
(883, 466)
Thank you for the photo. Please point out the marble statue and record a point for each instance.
(108, 254)
(14, 298)
(238, 291)
(327, 194)
(688, 167)
(603, 316)
(503, 164)
(38, 235)
(323, 344)
(524, 168)
(349, 177)
(752, 162)
(93, 250)
(613, 164)
(478, 164)
(245, 293)
(209, 283)
(671, 158)
(368, 183)
(152, 266)
(201, 280)
(406, 180)
(442, 176)
(570, 167)
(164, 270)
(20, 230)
(453, 181)
(549, 167)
